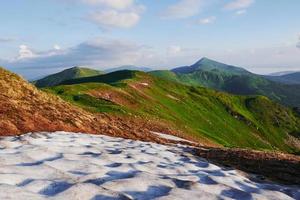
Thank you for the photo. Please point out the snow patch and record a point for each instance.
(170, 137)
(79, 166)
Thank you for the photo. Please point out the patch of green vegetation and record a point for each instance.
(97, 105)
(76, 94)
(114, 77)
(233, 121)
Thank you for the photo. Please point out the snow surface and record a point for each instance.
(170, 137)
(79, 166)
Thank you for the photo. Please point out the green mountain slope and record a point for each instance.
(112, 77)
(233, 121)
(71, 73)
(234, 80)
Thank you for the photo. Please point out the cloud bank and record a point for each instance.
(103, 53)
(100, 52)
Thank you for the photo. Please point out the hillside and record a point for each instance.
(24, 108)
(110, 78)
(71, 73)
(232, 79)
(290, 78)
(204, 114)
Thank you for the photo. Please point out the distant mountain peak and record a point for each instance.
(204, 59)
(77, 67)
(207, 64)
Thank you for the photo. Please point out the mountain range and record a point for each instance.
(190, 101)
(288, 78)
(204, 114)
(235, 80)
(281, 73)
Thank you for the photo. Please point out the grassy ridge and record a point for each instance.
(71, 73)
(233, 121)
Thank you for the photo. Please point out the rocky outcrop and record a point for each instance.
(23, 108)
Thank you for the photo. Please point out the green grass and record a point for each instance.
(110, 78)
(76, 94)
(233, 121)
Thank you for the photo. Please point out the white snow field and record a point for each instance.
(79, 166)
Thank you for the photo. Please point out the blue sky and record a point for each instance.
(39, 37)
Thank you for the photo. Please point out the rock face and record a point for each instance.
(23, 108)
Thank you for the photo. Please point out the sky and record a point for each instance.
(41, 37)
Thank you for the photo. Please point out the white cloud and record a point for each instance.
(115, 4)
(115, 13)
(239, 4)
(184, 9)
(207, 20)
(174, 50)
(56, 47)
(241, 12)
(109, 14)
(112, 18)
(25, 52)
